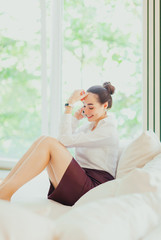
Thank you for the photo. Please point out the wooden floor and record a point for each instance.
(34, 190)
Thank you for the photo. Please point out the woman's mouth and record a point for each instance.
(90, 116)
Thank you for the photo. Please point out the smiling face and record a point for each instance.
(93, 109)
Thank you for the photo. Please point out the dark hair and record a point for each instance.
(103, 92)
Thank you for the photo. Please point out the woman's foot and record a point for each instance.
(5, 198)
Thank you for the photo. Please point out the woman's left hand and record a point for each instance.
(77, 95)
(78, 114)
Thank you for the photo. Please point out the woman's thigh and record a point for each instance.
(59, 161)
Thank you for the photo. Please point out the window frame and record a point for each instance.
(151, 67)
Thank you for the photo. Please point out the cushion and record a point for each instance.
(138, 153)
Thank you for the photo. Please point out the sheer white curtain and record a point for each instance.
(52, 99)
(50, 73)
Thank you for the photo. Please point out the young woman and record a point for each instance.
(96, 150)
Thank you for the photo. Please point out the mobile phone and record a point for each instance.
(83, 114)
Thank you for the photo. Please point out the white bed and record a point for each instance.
(126, 208)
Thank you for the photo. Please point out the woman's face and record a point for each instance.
(93, 110)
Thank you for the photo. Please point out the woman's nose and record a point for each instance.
(86, 111)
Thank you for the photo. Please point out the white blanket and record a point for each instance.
(124, 217)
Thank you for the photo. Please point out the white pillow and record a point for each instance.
(154, 164)
(138, 153)
(139, 180)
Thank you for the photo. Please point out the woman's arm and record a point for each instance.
(102, 136)
(68, 110)
(75, 97)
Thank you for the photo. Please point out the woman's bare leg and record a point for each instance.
(23, 158)
(49, 150)
(52, 174)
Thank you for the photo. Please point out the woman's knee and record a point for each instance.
(50, 141)
(40, 138)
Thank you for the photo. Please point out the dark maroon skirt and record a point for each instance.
(75, 182)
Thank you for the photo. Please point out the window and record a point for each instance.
(101, 41)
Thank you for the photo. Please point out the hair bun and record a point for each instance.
(109, 87)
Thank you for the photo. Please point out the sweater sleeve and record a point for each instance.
(100, 137)
(75, 123)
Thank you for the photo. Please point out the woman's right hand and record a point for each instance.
(78, 113)
(77, 95)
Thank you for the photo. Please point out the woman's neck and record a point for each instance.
(97, 121)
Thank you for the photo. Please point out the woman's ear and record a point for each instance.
(106, 105)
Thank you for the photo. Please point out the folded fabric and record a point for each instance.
(124, 217)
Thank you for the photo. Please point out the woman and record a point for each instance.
(96, 149)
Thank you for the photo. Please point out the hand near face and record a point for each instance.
(78, 114)
(77, 95)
